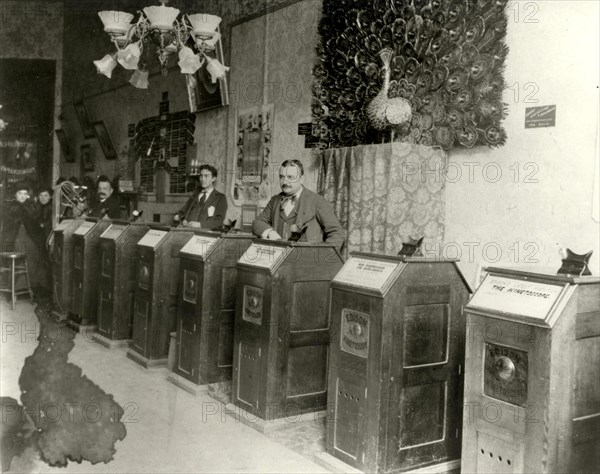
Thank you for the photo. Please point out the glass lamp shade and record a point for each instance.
(116, 22)
(106, 65)
(171, 48)
(203, 44)
(216, 69)
(139, 79)
(161, 18)
(130, 56)
(203, 23)
(188, 61)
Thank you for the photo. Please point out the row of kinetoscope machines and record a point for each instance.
(410, 371)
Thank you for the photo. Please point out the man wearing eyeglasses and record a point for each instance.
(206, 208)
(298, 210)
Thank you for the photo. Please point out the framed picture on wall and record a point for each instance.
(64, 146)
(84, 120)
(203, 94)
(87, 157)
(104, 139)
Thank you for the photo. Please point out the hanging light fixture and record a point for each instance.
(193, 37)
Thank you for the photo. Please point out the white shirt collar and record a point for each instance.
(208, 193)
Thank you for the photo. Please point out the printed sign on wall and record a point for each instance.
(544, 116)
(253, 156)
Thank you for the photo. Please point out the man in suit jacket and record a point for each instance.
(107, 204)
(297, 209)
(206, 207)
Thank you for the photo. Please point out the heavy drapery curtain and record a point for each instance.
(384, 194)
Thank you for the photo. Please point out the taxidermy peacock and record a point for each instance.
(384, 111)
(423, 71)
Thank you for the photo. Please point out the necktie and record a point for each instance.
(288, 203)
(287, 199)
(202, 198)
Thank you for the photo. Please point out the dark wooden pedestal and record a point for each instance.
(282, 328)
(396, 363)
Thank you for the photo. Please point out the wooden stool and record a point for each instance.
(18, 266)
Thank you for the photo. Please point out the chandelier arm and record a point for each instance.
(142, 26)
(116, 43)
(181, 32)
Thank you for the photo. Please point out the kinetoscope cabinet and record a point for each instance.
(155, 300)
(532, 374)
(395, 365)
(282, 328)
(61, 266)
(84, 307)
(116, 281)
(206, 306)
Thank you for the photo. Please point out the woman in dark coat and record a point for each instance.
(44, 219)
(21, 232)
(44, 205)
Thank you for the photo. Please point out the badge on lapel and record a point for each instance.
(211, 211)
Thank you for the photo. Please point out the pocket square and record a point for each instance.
(211, 211)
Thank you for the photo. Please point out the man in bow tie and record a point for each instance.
(297, 209)
(206, 207)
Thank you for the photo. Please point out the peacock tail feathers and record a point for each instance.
(429, 70)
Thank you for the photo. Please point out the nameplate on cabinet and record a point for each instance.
(366, 273)
(63, 225)
(199, 245)
(521, 297)
(355, 333)
(262, 255)
(84, 228)
(152, 238)
(113, 231)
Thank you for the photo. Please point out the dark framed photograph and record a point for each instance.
(104, 139)
(64, 145)
(87, 157)
(84, 120)
(203, 94)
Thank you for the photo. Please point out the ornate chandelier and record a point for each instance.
(193, 37)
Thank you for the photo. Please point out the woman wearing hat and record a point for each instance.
(44, 220)
(21, 233)
(44, 208)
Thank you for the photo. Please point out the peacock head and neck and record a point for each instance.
(386, 56)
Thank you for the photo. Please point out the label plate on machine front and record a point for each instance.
(199, 245)
(505, 374)
(367, 273)
(262, 255)
(113, 231)
(354, 337)
(253, 304)
(152, 238)
(84, 228)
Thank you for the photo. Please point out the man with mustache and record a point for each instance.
(107, 204)
(298, 210)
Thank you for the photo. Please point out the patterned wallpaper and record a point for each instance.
(43, 20)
